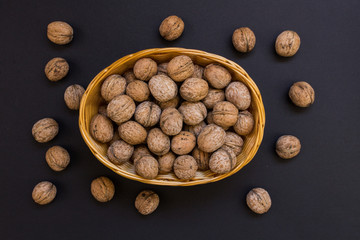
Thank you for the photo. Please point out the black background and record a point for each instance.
(315, 195)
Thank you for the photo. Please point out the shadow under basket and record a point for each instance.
(92, 99)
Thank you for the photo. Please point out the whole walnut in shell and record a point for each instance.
(147, 167)
(171, 121)
(158, 143)
(145, 68)
(245, 123)
(222, 161)
(213, 97)
(194, 89)
(166, 162)
(171, 103)
(180, 68)
(210, 118)
(287, 43)
(171, 28)
(147, 114)
(44, 192)
(202, 158)
(234, 141)
(163, 88)
(225, 114)
(218, 76)
(116, 136)
(102, 110)
(302, 94)
(73, 95)
(139, 152)
(138, 90)
(162, 68)
(102, 189)
(113, 86)
(120, 152)
(238, 94)
(195, 129)
(198, 71)
(60, 32)
(121, 108)
(58, 158)
(101, 128)
(243, 39)
(211, 138)
(258, 200)
(183, 143)
(288, 146)
(45, 130)
(129, 76)
(193, 112)
(132, 132)
(185, 167)
(56, 69)
(146, 202)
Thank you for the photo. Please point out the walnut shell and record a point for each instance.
(202, 159)
(210, 118)
(163, 88)
(222, 161)
(171, 28)
(288, 146)
(171, 121)
(238, 94)
(45, 130)
(102, 189)
(56, 69)
(101, 128)
(147, 114)
(44, 193)
(57, 158)
(287, 43)
(245, 123)
(218, 76)
(129, 76)
(132, 132)
(73, 95)
(162, 68)
(213, 97)
(302, 94)
(121, 108)
(234, 141)
(225, 114)
(146, 202)
(195, 129)
(185, 167)
(113, 86)
(183, 143)
(198, 71)
(166, 162)
(258, 200)
(139, 152)
(211, 138)
(60, 32)
(102, 110)
(193, 112)
(171, 103)
(243, 39)
(194, 89)
(120, 152)
(145, 68)
(158, 143)
(116, 137)
(180, 68)
(138, 90)
(147, 167)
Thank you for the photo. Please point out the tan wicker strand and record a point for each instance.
(91, 100)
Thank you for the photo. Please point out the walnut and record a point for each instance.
(162, 68)
(147, 114)
(195, 129)
(56, 69)
(163, 88)
(202, 159)
(171, 121)
(238, 94)
(146, 202)
(211, 138)
(210, 118)
(171, 28)
(101, 128)
(194, 89)
(198, 71)
(171, 103)
(213, 97)
(193, 113)
(129, 76)
(116, 137)
(183, 143)
(73, 95)
(138, 90)
(185, 167)
(234, 141)
(102, 189)
(158, 143)
(145, 68)
(180, 68)
(243, 39)
(121, 108)
(45, 130)
(288, 146)
(102, 110)
(166, 162)
(57, 158)
(44, 193)
(60, 32)
(147, 167)
(302, 94)
(120, 152)
(113, 86)
(245, 123)
(287, 43)
(222, 161)
(139, 152)
(132, 132)
(218, 76)
(225, 114)
(258, 200)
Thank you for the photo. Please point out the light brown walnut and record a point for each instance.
(121, 108)
(194, 89)
(129, 76)
(166, 162)
(287, 43)
(222, 161)
(302, 94)
(60, 32)
(245, 123)
(139, 152)
(258, 200)
(195, 129)
(162, 68)
(171, 28)
(234, 141)
(147, 202)
(157, 142)
(102, 189)
(101, 128)
(288, 146)
(180, 68)
(193, 112)
(225, 114)
(138, 91)
(244, 39)
(45, 130)
(147, 167)
(185, 167)
(145, 68)
(183, 143)
(213, 97)
(58, 158)
(210, 118)
(238, 94)
(73, 95)
(218, 76)
(171, 103)
(113, 86)
(56, 69)
(132, 133)
(171, 121)
(102, 110)
(202, 159)
(120, 152)
(147, 114)
(44, 193)
(163, 88)
(198, 71)
(211, 138)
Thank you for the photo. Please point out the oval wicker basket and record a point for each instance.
(91, 101)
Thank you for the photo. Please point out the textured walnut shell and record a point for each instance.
(210, 118)
(139, 152)
(121, 108)
(56, 69)
(211, 138)
(102, 189)
(147, 114)
(195, 129)
(163, 88)
(44, 193)
(147, 167)
(102, 110)
(180, 68)
(162, 68)
(222, 161)
(218, 76)
(120, 152)
(185, 167)
(57, 158)
(198, 71)
(171, 103)
(202, 159)
(258, 200)
(132, 133)
(225, 114)
(129, 76)
(73, 95)
(113, 86)
(145, 68)
(213, 97)
(166, 162)
(157, 142)
(288, 146)
(244, 39)
(45, 130)
(287, 43)
(193, 112)
(183, 143)
(171, 28)
(60, 32)
(146, 202)
(234, 141)
(302, 94)
(171, 121)
(138, 90)
(194, 89)
(238, 94)
(245, 123)
(101, 128)
(116, 136)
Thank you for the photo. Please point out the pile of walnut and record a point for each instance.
(176, 116)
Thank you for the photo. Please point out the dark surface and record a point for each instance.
(315, 195)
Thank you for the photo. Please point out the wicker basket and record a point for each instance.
(91, 101)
